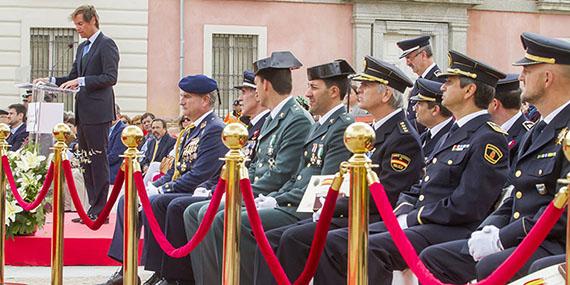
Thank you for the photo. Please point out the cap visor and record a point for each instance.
(525, 61)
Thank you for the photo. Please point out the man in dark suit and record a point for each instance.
(159, 146)
(16, 121)
(505, 110)
(94, 72)
(431, 113)
(540, 162)
(397, 151)
(440, 208)
(419, 57)
(198, 161)
(116, 145)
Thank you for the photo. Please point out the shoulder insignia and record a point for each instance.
(492, 154)
(403, 127)
(561, 136)
(399, 162)
(203, 125)
(528, 125)
(281, 115)
(497, 128)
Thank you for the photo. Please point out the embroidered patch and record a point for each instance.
(492, 154)
(399, 162)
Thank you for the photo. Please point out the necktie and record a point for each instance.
(427, 137)
(536, 130)
(156, 142)
(453, 128)
(86, 47)
(315, 128)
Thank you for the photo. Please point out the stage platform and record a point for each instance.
(82, 246)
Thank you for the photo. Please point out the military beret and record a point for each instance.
(376, 70)
(410, 45)
(336, 68)
(198, 84)
(277, 60)
(509, 83)
(462, 65)
(541, 49)
(248, 80)
(429, 91)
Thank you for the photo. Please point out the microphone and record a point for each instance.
(56, 62)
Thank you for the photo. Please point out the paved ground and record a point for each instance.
(72, 275)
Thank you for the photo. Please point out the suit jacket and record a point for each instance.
(515, 136)
(95, 102)
(16, 139)
(199, 157)
(324, 150)
(279, 148)
(400, 159)
(469, 168)
(116, 148)
(538, 165)
(410, 110)
(429, 146)
(164, 147)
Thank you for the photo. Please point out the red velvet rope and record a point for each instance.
(317, 246)
(92, 224)
(161, 239)
(501, 275)
(41, 195)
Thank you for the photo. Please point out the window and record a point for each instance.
(228, 51)
(51, 54)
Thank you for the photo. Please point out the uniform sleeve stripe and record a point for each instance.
(420, 215)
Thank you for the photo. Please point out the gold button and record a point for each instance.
(449, 162)
(540, 172)
(519, 194)
(516, 215)
(421, 197)
(426, 179)
(518, 173)
(299, 177)
(434, 160)
(289, 205)
(306, 153)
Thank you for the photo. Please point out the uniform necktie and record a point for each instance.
(537, 130)
(453, 128)
(427, 138)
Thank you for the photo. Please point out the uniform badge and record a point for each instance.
(271, 143)
(203, 125)
(271, 162)
(282, 115)
(541, 189)
(320, 155)
(492, 154)
(528, 125)
(460, 147)
(512, 144)
(546, 155)
(399, 162)
(561, 136)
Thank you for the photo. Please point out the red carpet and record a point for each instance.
(82, 246)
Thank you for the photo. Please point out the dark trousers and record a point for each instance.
(452, 263)
(547, 262)
(383, 255)
(169, 210)
(93, 142)
(116, 249)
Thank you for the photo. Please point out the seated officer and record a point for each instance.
(199, 150)
(505, 110)
(431, 113)
(324, 150)
(540, 162)
(397, 151)
(279, 152)
(441, 208)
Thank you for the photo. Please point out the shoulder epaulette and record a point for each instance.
(403, 127)
(497, 128)
(528, 125)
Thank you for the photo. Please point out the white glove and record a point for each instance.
(263, 202)
(403, 221)
(317, 214)
(484, 242)
(201, 192)
(153, 190)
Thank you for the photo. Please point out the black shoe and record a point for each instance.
(154, 279)
(93, 218)
(117, 278)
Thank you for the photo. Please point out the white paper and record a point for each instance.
(318, 187)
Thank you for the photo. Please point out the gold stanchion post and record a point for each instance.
(60, 132)
(234, 137)
(359, 139)
(561, 201)
(131, 137)
(4, 132)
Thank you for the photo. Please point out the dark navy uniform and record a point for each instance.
(440, 208)
(515, 135)
(429, 142)
(540, 162)
(398, 153)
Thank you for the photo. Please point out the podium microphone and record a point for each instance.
(56, 62)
